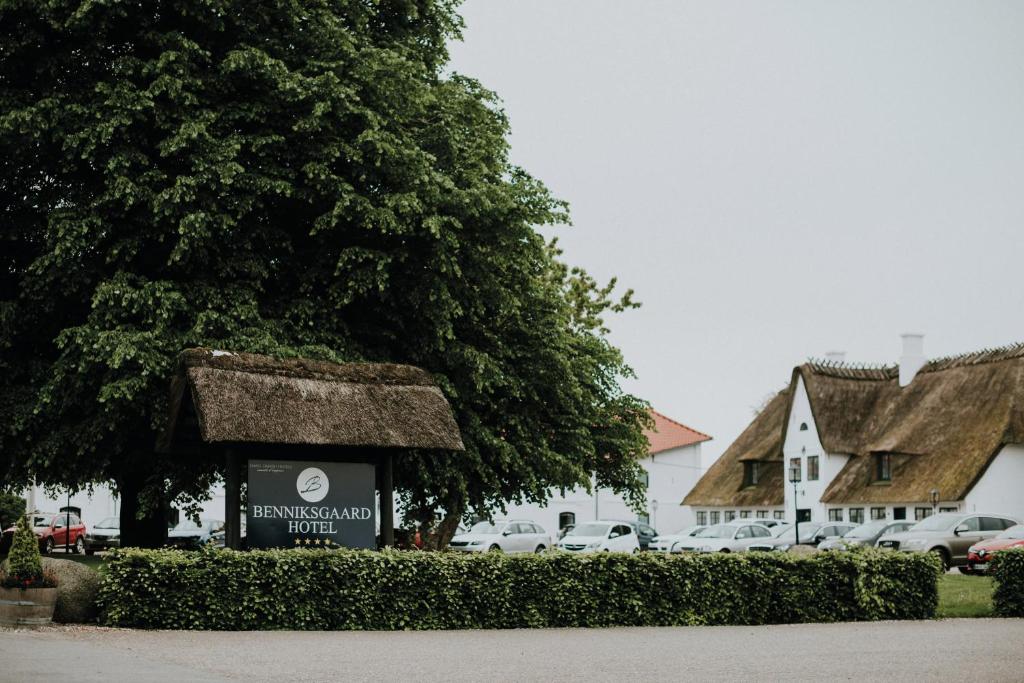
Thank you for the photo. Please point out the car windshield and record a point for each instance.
(590, 529)
(939, 522)
(487, 528)
(189, 525)
(109, 523)
(1014, 532)
(866, 530)
(806, 531)
(717, 531)
(686, 531)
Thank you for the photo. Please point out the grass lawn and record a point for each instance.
(964, 596)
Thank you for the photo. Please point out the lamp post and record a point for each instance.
(794, 479)
(935, 499)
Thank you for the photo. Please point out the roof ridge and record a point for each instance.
(884, 371)
(707, 437)
(989, 355)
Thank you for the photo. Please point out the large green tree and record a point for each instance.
(291, 178)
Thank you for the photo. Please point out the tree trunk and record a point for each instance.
(440, 536)
(151, 530)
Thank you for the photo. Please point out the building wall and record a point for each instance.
(716, 515)
(912, 511)
(671, 474)
(1001, 487)
(805, 444)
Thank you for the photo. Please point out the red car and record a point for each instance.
(52, 531)
(979, 556)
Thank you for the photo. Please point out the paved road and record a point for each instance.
(950, 650)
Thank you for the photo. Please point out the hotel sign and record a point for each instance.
(310, 504)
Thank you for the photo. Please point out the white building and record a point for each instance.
(673, 467)
(892, 442)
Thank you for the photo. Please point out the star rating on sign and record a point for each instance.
(326, 542)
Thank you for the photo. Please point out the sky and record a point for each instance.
(774, 179)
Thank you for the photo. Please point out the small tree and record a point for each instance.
(24, 564)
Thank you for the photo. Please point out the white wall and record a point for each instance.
(96, 506)
(671, 475)
(803, 445)
(1001, 488)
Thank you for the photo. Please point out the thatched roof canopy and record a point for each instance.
(247, 398)
(943, 430)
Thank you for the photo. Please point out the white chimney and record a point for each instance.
(912, 359)
(836, 357)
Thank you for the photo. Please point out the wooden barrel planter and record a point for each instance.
(27, 607)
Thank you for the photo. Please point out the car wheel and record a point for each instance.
(539, 549)
(944, 556)
(636, 550)
(725, 550)
(494, 548)
(49, 546)
(79, 547)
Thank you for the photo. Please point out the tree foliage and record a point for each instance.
(289, 178)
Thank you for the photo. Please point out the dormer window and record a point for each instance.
(803, 426)
(883, 467)
(751, 472)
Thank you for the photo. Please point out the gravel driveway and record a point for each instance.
(969, 649)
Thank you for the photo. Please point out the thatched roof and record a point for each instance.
(943, 429)
(722, 484)
(248, 398)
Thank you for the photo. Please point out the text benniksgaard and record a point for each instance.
(303, 519)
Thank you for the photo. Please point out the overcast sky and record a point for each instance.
(774, 179)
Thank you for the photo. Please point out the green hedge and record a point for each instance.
(1008, 569)
(362, 590)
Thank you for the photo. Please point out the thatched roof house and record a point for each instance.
(940, 432)
(219, 397)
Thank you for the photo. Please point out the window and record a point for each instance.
(835, 515)
(646, 478)
(856, 515)
(795, 468)
(883, 467)
(744, 514)
(952, 509)
(566, 519)
(702, 518)
(644, 519)
(921, 513)
(730, 515)
(877, 513)
(751, 472)
(762, 514)
(972, 524)
(991, 524)
(812, 468)
(744, 532)
(803, 426)
(899, 513)
(715, 516)
(647, 531)
(761, 532)
(779, 514)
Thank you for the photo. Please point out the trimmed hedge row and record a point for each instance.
(362, 590)
(1008, 569)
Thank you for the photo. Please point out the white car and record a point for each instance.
(509, 536)
(591, 537)
(668, 543)
(731, 537)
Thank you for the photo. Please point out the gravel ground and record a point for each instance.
(968, 649)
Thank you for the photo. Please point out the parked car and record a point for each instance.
(590, 537)
(668, 542)
(979, 556)
(811, 533)
(103, 535)
(52, 531)
(218, 539)
(948, 534)
(644, 532)
(510, 536)
(864, 535)
(189, 534)
(730, 537)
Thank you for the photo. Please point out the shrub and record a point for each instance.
(24, 563)
(1008, 569)
(77, 588)
(313, 589)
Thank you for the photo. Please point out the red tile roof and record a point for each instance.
(669, 434)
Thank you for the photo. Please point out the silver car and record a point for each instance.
(509, 536)
(948, 534)
(864, 535)
(668, 543)
(731, 537)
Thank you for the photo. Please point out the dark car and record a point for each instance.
(104, 535)
(645, 533)
(811, 533)
(865, 535)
